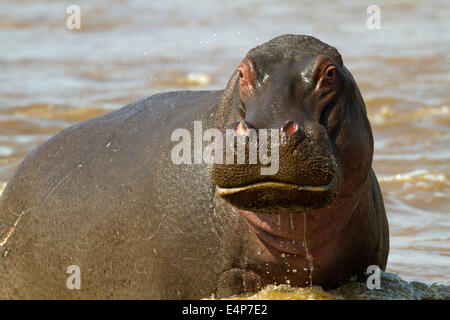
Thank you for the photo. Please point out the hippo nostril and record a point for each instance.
(241, 129)
(290, 127)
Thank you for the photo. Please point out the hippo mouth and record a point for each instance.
(279, 185)
(278, 197)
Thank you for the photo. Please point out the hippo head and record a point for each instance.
(298, 86)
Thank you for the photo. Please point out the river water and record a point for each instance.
(52, 77)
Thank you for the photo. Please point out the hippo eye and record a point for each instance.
(330, 73)
(246, 80)
(241, 71)
(328, 79)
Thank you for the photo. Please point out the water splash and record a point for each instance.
(392, 288)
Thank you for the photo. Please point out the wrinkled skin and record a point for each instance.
(105, 195)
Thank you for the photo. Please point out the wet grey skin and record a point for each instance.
(105, 195)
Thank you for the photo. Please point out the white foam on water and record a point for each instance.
(200, 79)
(5, 151)
(2, 187)
(414, 175)
(443, 155)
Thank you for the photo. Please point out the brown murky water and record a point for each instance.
(51, 77)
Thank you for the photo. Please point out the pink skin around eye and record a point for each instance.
(246, 80)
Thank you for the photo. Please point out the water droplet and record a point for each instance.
(294, 270)
(283, 255)
(292, 221)
(288, 281)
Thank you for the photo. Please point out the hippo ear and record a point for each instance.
(356, 96)
(223, 111)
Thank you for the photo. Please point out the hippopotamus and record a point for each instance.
(109, 198)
